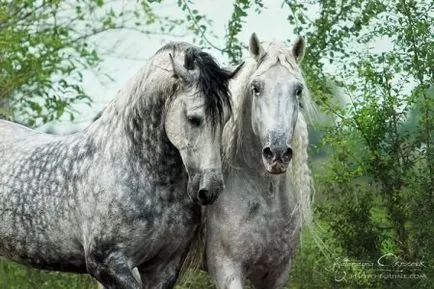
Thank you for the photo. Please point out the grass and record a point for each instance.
(15, 276)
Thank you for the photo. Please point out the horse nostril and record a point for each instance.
(287, 155)
(267, 153)
(203, 194)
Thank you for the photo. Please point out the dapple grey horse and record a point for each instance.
(252, 230)
(125, 192)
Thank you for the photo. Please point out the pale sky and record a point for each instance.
(131, 49)
(127, 51)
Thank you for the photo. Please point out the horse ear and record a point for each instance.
(236, 71)
(255, 47)
(298, 49)
(179, 70)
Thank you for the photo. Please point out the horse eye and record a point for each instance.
(298, 91)
(195, 120)
(256, 89)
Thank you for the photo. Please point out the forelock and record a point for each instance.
(213, 83)
(275, 52)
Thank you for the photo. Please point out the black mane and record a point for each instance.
(213, 80)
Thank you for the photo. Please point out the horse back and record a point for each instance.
(13, 131)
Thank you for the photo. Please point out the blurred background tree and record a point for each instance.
(45, 46)
(369, 65)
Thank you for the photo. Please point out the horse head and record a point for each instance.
(275, 89)
(195, 120)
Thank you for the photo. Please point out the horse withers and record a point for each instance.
(125, 192)
(252, 231)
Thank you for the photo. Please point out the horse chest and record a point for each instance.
(270, 238)
(167, 238)
(264, 231)
(164, 227)
(175, 224)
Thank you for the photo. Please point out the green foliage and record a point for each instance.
(377, 188)
(234, 48)
(197, 23)
(46, 45)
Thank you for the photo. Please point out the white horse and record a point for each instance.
(252, 230)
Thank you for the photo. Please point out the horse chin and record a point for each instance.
(275, 167)
(204, 188)
(196, 196)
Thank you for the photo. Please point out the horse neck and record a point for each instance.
(131, 130)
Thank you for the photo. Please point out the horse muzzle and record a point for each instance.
(205, 188)
(276, 159)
